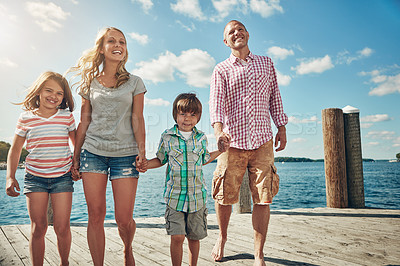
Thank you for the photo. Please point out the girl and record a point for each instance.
(46, 126)
(110, 136)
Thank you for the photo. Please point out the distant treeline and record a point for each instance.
(296, 159)
(4, 147)
(300, 159)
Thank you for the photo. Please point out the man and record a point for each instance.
(244, 95)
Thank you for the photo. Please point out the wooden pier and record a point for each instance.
(321, 236)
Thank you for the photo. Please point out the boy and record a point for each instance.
(184, 148)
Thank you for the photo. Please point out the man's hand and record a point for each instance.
(280, 138)
(223, 142)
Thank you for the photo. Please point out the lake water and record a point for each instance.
(302, 185)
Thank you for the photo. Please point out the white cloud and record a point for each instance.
(5, 62)
(5, 13)
(279, 53)
(375, 118)
(47, 15)
(283, 80)
(265, 8)
(314, 65)
(298, 140)
(190, 8)
(146, 4)
(157, 70)
(366, 125)
(383, 135)
(366, 52)
(388, 85)
(296, 120)
(396, 142)
(75, 2)
(225, 7)
(156, 102)
(372, 143)
(345, 57)
(194, 65)
(190, 28)
(143, 39)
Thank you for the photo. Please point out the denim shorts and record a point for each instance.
(59, 184)
(114, 167)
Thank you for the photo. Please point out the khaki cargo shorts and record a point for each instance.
(232, 165)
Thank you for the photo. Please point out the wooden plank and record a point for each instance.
(19, 242)
(8, 256)
(319, 236)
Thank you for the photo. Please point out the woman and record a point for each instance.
(110, 136)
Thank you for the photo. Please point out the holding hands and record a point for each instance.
(223, 142)
(141, 164)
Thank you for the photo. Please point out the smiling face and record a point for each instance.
(235, 35)
(114, 46)
(186, 121)
(50, 96)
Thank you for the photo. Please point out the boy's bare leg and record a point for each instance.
(223, 213)
(194, 250)
(260, 217)
(176, 249)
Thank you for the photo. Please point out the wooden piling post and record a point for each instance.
(335, 158)
(354, 163)
(244, 204)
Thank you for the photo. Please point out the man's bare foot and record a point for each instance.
(218, 251)
(259, 262)
(129, 260)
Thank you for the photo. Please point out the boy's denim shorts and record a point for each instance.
(114, 167)
(192, 225)
(59, 184)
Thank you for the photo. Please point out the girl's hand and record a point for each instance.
(11, 185)
(76, 175)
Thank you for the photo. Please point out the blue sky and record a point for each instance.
(328, 54)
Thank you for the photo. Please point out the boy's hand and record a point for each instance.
(11, 185)
(141, 164)
(224, 141)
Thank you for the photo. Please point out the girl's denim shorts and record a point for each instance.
(59, 184)
(114, 167)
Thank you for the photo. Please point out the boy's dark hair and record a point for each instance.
(187, 103)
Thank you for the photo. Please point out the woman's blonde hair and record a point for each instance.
(88, 66)
(32, 101)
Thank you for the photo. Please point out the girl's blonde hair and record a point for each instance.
(88, 66)
(32, 101)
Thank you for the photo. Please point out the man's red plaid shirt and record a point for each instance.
(243, 96)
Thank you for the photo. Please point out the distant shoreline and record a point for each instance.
(3, 165)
